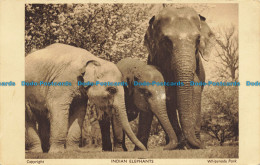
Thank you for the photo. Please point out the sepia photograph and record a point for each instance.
(164, 78)
(129, 82)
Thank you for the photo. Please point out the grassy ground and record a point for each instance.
(94, 153)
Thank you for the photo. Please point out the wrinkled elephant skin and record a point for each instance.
(176, 40)
(146, 100)
(59, 111)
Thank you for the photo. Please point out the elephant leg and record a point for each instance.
(119, 136)
(59, 116)
(32, 139)
(105, 134)
(76, 119)
(144, 127)
(174, 119)
(44, 132)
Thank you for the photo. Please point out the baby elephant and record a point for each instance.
(146, 99)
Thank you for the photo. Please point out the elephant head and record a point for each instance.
(108, 97)
(176, 38)
(143, 95)
(147, 97)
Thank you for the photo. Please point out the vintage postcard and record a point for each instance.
(129, 82)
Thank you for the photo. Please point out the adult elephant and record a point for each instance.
(176, 40)
(59, 110)
(148, 99)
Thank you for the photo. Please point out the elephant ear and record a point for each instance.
(91, 71)
(151, 20)
(207, 39)
(147, 34)
(149, 42)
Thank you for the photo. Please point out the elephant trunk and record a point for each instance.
(184, 68)
(158, 107)
(121, 116)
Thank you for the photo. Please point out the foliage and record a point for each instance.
(220, 103)
(108, 31)
(220, 120)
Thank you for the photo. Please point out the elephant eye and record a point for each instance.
(145, 92)
(111, 90)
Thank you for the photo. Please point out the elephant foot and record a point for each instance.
(138, 149)
(35, 150)
(106, 146)
(70, 144)
(107, 149)
(118, 149)
(171, 146)
(72, 148)
(57, 149)
(201, 146)
(45, 148)
(182, 145)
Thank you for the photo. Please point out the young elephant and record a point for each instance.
(147, 100)
(59, 110)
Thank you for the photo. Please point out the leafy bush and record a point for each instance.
(109, 31)
(220, 120)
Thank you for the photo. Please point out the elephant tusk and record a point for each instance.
(203, 56)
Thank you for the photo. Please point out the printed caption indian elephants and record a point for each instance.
(59, 111)
(143, 100)
(176, 40)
